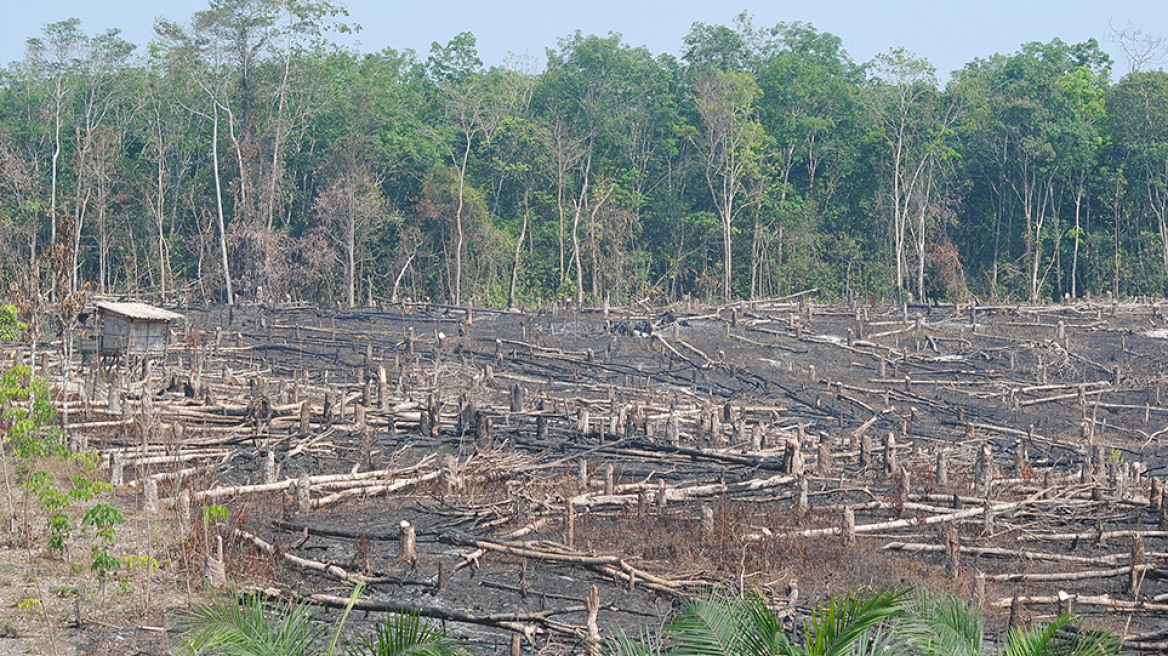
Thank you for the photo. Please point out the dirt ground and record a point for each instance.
(1050, 417)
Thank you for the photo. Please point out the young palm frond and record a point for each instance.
(720, 624)
(708, 626)
(838, 624)
(1059, 639)
(942, 625)
(406, 634)
(246, 628)
(763, 633)
(880, 641)
(649, 643)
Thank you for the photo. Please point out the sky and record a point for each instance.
(948, 33)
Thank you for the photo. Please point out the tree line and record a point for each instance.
(244, 155)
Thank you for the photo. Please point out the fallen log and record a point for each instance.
(1068, 576)
(996, 507)
(527, 624)
(374, 490)
(672, 494)
(1106, 601)
(1106, 559)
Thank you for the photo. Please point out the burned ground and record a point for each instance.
(1007, 453)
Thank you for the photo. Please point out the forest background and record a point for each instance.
(245, 155)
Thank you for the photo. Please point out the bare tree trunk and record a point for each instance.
(242, 204)
(351, 253)
(518, 250)
(219, 201)
(579, 204)
(1078, 236)
(922, 230)
(459, 231)
(56, 156)
(278, 137)
(159, 210)
(727, 248)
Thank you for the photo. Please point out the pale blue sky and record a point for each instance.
(949, 34)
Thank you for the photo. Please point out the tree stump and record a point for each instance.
(1135, 574)
(382, 388)
(848, 530)
(941, 477)
(793, 458)
(183, 513)
(890, 466)
(150, 495)
(408, 548)
(305, 417)
(707, 520)
(983, 468)
(953, 551)
(117, 469)
(303, 493)
(592, 643)
(570, 525)
(803, 505)
(214, 569)
(902, 489)
(517, 398)
(269, 467)
(824, 457)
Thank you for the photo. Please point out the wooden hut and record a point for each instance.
(124, 328)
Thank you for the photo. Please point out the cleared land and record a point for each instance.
(1008, 453)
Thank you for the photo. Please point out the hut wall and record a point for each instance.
(115, 333)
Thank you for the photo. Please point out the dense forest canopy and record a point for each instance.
(244, 155)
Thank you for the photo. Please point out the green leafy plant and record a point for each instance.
(1053, 640)
(10, 325)
(406, 633)
(27, 412)
(858, 623)
(148, 563)
(103, 517)
(942, 625)
(726, 624)
(246, 626)
(44, 487)
(29, 605)
(214, 513)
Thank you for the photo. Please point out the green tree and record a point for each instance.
(730, 142)
(1022, 153)
(475, 103)
(347, 210)
(1137, 113)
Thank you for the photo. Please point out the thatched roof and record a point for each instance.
(138, 311)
